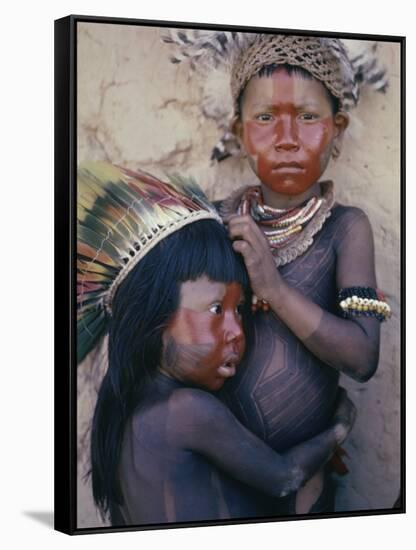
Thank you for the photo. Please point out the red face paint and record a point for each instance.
(206, 333)
(287, 130)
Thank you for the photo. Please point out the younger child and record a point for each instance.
(157, 269)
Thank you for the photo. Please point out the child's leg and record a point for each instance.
(308, 495)
(317, 495)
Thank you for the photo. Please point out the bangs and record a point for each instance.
(151, 290)
(296, 70)
(203, 248)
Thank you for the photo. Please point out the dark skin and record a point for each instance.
(182, 437)
(327, 336)
(204, 341)
(184, 449)
(283, 138)
(184, 454)
(289, 133)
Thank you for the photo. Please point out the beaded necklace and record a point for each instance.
(280, 226)
(290, 231)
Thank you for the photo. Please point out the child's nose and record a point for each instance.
(286, 135)
(232, 328)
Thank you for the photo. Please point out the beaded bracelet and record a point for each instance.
(363, 301)
(259, 305)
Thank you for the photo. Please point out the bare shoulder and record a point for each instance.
(355, 249)
(346, 215)
(194, 403)
(352, 225)
(184, 405)
(167, 419)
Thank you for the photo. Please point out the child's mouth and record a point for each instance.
(228, 369)
(288, 167)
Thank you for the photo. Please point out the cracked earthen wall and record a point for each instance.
(137, 109)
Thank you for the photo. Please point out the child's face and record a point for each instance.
(204, 342)
(288, 130)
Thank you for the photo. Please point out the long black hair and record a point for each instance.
(141, 309)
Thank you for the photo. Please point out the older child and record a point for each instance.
(319, 312)
(163, 448)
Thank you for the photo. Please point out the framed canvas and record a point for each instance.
(229, 230)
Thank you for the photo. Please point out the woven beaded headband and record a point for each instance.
(121, 216)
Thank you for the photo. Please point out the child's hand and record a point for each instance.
(250, 242)
(344, 417)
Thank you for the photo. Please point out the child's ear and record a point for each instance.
(341, 121)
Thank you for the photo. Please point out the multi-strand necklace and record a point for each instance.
(280, 226)
(290, 231)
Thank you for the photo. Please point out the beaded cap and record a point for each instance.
(324, 58)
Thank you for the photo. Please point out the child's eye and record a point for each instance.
(308, 116)
(216, 309)
(240, 309)
(264, 117)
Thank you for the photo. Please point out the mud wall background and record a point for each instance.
(137, 109)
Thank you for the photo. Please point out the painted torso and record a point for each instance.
(161, 481)
(281, 391)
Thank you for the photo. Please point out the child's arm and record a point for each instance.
(349, 345)
(200, 423)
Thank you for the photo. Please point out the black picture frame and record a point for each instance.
(65, 269)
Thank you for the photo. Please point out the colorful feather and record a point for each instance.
(121, 214)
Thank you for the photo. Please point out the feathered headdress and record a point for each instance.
(241, 55)
(121, 216)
